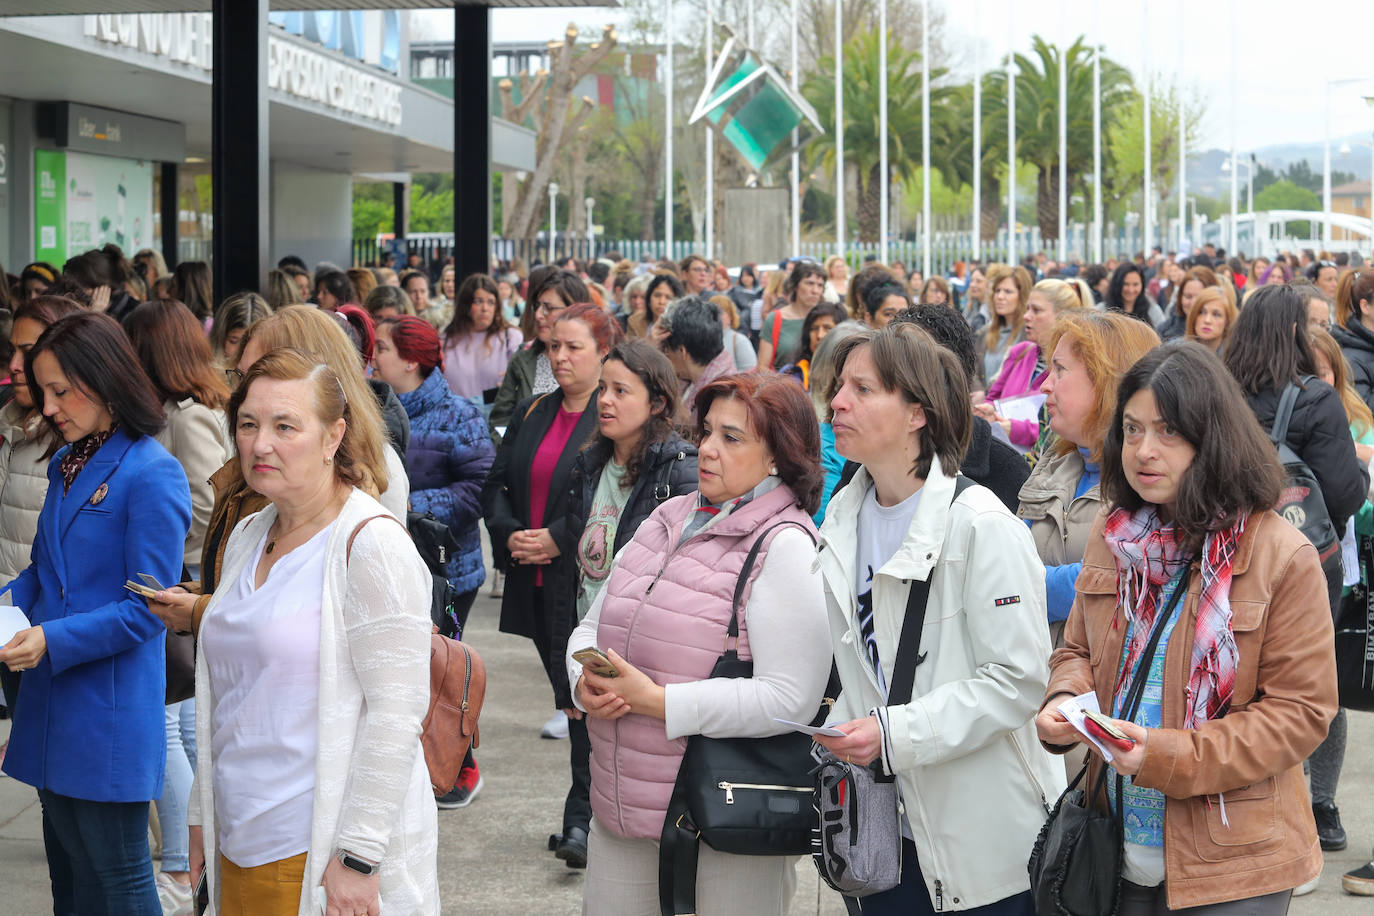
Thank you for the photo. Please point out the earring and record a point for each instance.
(328, 460)
(773, 471)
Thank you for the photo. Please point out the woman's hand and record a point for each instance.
(862, 742)
(174, 606)
(25, 650)
(1056, 730)
(635, 687)
(599, 703)
(197, 850)
(1364, 452)
(986, 411)
(1128, 763)
(100, 299)
(543, 548)
(349, 893)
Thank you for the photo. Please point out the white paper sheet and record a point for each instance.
(1072, 709)
(12, 620)
(1025, 407)
(809, 730)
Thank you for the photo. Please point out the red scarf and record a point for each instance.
(1149, 554)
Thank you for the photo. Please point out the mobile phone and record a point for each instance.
(595, 661)
(202, 899)
(1103, 730)
(150, 581)
(139, 589)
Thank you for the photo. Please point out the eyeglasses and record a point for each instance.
(237, 373)
(546, 309)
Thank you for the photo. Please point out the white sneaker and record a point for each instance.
(557, 727)
(174, 896)
(1307, 887)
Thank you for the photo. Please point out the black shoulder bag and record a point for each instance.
(1075, 865)
(746, 796)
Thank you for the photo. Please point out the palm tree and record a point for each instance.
(861, 111)
(1037, 117)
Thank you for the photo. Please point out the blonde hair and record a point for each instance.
(722, 302)
(281, 289)
(1021, 278)
(831, 262)
(1063, 296)
(1356, 410)
(1208, 295)
(312, 332)
(364, 281)
(1107, 343)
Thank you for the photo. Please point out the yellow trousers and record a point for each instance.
(273, 889)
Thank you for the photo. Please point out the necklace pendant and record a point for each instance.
(271, 545)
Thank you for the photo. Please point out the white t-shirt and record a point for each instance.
(881, 531)
(262, 648)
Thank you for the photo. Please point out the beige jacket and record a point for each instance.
(23, 487)
(1060, 522)
(1283, 702)
(198, 437)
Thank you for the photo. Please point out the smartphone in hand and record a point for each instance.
(596, 661)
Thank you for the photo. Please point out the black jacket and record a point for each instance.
(1320, 435)
(670, 469)
(1357, 343)
(988, 462)
(506, 508)
(393, 415)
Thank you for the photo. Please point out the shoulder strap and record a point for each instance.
(909, 645)
(776, 333)
(535, 403)
(1142, 668)
(1278, 433)
(348, 550)
(742, 582)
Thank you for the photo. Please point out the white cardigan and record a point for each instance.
(372, 792)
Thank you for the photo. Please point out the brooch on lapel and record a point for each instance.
(99, 495)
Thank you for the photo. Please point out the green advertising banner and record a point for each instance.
(50, 206)
(83, 201)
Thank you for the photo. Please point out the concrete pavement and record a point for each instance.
(492, 854)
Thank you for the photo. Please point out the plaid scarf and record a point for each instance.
(1149, 554)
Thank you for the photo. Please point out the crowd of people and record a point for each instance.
(1066, 470)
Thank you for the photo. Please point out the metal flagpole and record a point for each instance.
(668, 131)
(977, 147)
(1182, 142)
(1097, 132)
(840, 235)
(882, 130)
(1063, 143)
(1233, 249)
(1011, 135)
(710, 146)
(925, 138)
(1146, 210)
(796, 156)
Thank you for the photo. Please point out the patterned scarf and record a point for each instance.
(77, 456)
(1149, 554)
(705, 515)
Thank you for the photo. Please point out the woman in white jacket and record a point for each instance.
(974, 783)
(312, 676)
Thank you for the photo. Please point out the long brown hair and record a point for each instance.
(1356, 410)
(172, 348)
(660, 383)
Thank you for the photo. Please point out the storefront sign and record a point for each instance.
(114, 133)
(83, 201)
(292, 68)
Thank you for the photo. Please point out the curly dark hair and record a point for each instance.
(654, 371)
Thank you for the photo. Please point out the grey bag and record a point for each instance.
(857, 845)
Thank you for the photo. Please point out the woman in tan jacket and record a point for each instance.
(1242, 685)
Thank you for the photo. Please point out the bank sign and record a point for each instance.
(293, 68)
(83, 201)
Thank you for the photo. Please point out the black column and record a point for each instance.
(170, 214)
(471, 139)
(400, 205)
(239, 178)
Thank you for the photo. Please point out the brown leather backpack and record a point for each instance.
(457, 686)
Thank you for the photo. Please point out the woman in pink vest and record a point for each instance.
(662, 617)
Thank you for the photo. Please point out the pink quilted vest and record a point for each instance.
(666, 611)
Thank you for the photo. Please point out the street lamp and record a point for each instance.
(1326, 159)
(553, 210)
(590, 202)
(1249, 178)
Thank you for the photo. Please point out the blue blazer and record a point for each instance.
(89, 719)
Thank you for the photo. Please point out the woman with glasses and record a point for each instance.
(529, 371)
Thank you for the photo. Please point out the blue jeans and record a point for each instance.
(176, 785)
(912, 898)
(98, 857)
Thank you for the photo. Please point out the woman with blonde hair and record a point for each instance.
(1196, 279)
(737, 343)
(1008, 289)
(836, 278)
(233, 319)
(364, 281)
(1087, 352)
(316, 780)
(1027, 363)
(1211, 316)
(282, 290)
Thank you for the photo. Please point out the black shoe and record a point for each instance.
(1359, 882)
(572, 847)
(1329, 829)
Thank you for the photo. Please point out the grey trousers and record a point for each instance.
(1149, 901)
(622, 879)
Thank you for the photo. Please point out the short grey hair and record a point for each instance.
(694, 324)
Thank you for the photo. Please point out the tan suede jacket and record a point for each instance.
(1284, 700)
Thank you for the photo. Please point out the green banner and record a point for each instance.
(50, 206)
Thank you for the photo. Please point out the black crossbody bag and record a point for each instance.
(1075, 865)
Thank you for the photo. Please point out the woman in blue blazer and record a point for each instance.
(88, 728)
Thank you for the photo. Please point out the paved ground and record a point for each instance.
(493, 858)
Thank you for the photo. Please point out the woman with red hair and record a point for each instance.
(447, 459)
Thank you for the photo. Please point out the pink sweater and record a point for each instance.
(476, 362)
(1017, 378)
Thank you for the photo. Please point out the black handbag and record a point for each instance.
(1075, 865)
(1355, 638)
(435, 543)
(745, 796)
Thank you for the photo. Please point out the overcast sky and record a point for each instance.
(1287, 52)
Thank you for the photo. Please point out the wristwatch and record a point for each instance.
(361, 866)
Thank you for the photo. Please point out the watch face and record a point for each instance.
(358, 865)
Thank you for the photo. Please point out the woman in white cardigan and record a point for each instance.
(310, 785)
